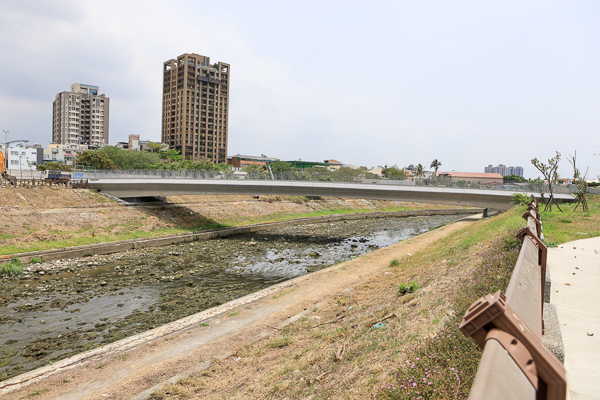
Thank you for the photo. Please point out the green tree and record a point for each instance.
(53, 165)
(419, 172)
(435, 164)
(514, 178)
(156, 147)
(346, 173)
(171, 154)
(281, 166)
(255, 169)
(394, 173)
(96, 159)
(131, 159)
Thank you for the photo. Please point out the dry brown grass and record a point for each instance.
(300, 362)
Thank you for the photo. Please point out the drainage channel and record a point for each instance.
(63, 308)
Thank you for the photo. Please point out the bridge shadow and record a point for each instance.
(180, 216)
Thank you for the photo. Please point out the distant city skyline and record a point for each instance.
(504, 170)
(468, 83)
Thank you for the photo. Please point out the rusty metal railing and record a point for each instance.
(515, 364)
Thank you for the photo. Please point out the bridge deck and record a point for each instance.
(498, 199)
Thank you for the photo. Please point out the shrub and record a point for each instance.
(35, 260)
(14, 267)
(520, 199)
(405, 288)
(394, 262)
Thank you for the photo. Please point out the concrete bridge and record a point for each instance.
(467, 197)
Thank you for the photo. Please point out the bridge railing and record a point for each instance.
(515, 364)
(314, 177)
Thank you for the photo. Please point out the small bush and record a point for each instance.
(394, 262)
(520, 199)
(35, 260)
(405, 288)
(14, 267)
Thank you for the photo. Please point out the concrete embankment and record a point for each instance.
(119, 246)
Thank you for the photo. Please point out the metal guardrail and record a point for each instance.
(515, 364)
(311, 176)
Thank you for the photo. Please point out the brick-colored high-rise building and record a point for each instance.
(196, 107)
(80, 116)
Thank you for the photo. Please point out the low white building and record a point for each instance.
(19, 157)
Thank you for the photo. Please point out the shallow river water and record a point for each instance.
(62, 308)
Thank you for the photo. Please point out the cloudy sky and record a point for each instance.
(469, 83)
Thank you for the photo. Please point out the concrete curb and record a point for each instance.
(552, 337)
(124, 245)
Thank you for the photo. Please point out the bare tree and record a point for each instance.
(551, 176)
(580, 183)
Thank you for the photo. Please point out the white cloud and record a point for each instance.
(433, 85)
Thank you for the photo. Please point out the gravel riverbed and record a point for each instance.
(61, 308)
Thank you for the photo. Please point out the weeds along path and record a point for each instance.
(253, 351)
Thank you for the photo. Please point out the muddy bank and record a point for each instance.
(62, 308)
(43, 218)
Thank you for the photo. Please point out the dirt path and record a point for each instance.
(125, 374)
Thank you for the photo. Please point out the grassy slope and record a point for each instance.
(132, 228)
(419, 353)
(452, 273)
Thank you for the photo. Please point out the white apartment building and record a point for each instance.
(19, 157)
(80, 116)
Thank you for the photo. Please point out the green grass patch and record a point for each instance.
(12, 268)
(36, 392)
(280, 342)
(571, 224)
(109, 237)
(405, 288)
(283, 216)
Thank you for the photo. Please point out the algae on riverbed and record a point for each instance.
(87, 302)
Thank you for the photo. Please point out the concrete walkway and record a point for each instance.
(575, 274)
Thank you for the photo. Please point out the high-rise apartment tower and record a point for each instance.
(196, 107)
(80, 116)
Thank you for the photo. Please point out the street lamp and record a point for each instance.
(5, 134)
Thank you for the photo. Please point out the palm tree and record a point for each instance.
(435, 164)
(419, 171)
